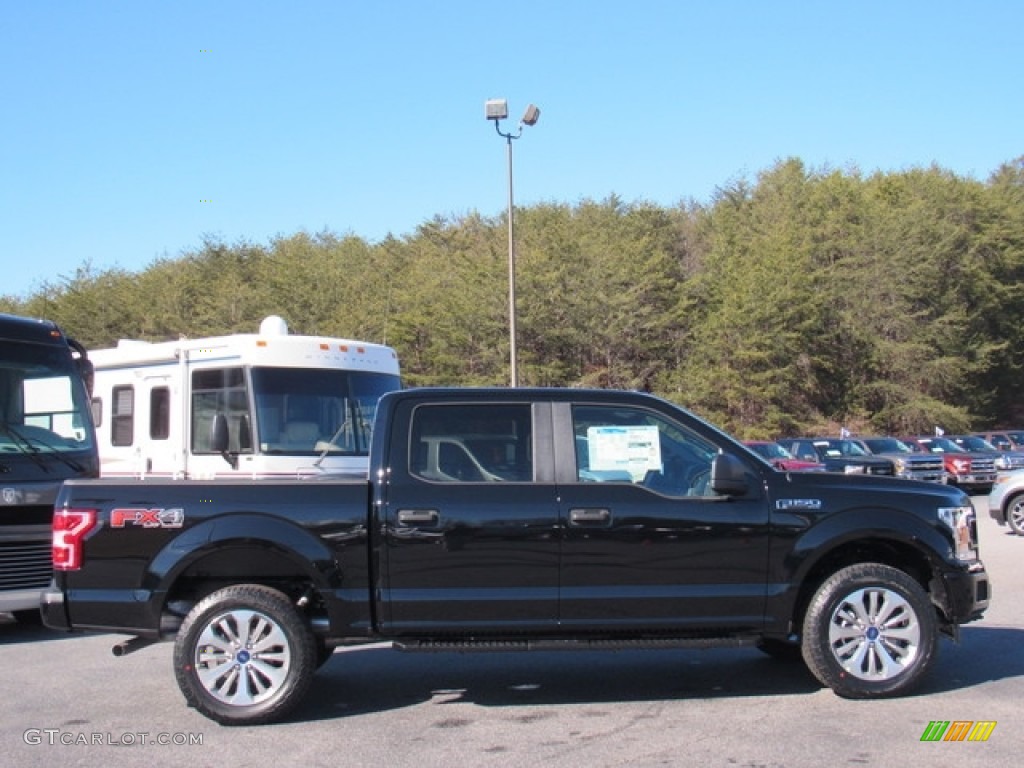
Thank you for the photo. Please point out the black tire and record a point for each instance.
(870, 632)
(30, 617)
(1015, 514)
(244, 655)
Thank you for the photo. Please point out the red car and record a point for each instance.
(781, 458)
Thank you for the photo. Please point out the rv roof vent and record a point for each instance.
(273, 325)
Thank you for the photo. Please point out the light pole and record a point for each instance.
(497, 110)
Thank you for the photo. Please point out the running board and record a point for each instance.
(573, 644)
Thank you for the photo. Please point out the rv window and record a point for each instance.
(122, 414)
(159, 413)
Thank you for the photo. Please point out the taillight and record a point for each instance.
(69, 528)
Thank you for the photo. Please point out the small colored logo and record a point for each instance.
(958, 730)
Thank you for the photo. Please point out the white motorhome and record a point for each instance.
(246, 405)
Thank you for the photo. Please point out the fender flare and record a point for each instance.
(244, 529)
(823, 538)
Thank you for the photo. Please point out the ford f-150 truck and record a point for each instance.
(519, 519)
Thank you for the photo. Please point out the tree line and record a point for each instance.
(795, 302)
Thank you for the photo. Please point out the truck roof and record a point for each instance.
(15, 328)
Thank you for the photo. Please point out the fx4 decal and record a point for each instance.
(147, 518)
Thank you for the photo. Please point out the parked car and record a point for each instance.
(1006, 501)
(838, 454)
(1006, 439)
(907, 463)
(964, 469)
(782, 459)
(1005, 459)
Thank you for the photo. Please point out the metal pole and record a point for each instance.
(513, 370)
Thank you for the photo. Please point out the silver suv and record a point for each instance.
(1006, 501)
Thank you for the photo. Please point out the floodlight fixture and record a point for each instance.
(531, 115)
(496, 109)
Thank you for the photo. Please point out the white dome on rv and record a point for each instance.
(273, 325)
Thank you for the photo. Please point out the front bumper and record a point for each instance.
(19, 600)
(967, 593)
(977, 480)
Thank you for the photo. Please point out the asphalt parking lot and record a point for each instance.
(67, 700)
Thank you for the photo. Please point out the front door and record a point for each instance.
(648, 546)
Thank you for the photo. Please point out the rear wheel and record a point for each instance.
(1015, 514)
(870, 631)
(244, 655)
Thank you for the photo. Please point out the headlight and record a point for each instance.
(962, 524)
(900, 466)
(1002, 462)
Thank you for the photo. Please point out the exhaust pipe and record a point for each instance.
(131, 645)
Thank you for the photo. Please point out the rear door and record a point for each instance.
(469, 520)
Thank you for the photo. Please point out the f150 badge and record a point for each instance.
(147, 518)
(784, 504)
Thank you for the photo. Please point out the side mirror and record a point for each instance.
(86, 369)
(220, 440)
(729, 475)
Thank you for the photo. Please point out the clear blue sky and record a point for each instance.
(130, 131)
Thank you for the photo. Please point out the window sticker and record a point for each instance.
(636, 450)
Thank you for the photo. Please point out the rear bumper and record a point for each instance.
(52, 607)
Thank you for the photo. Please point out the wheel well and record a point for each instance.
(238, 565)
(894, 554)
(1008, 502)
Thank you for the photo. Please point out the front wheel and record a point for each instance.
(1015, 514)
(244, 655)
(870, 631)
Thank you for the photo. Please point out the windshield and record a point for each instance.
(841, 448)
(887, 445)
(307, 411)
(771, 451)
(940, 445)
(43, 406)
(977, 444)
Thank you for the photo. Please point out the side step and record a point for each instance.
(440, 645)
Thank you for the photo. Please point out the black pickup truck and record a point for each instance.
(519, 519)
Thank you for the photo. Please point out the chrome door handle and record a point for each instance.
(589, 515)
(418, 516)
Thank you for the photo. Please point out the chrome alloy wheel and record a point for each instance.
(242, 657)
(874, 634)
(1015, 515)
